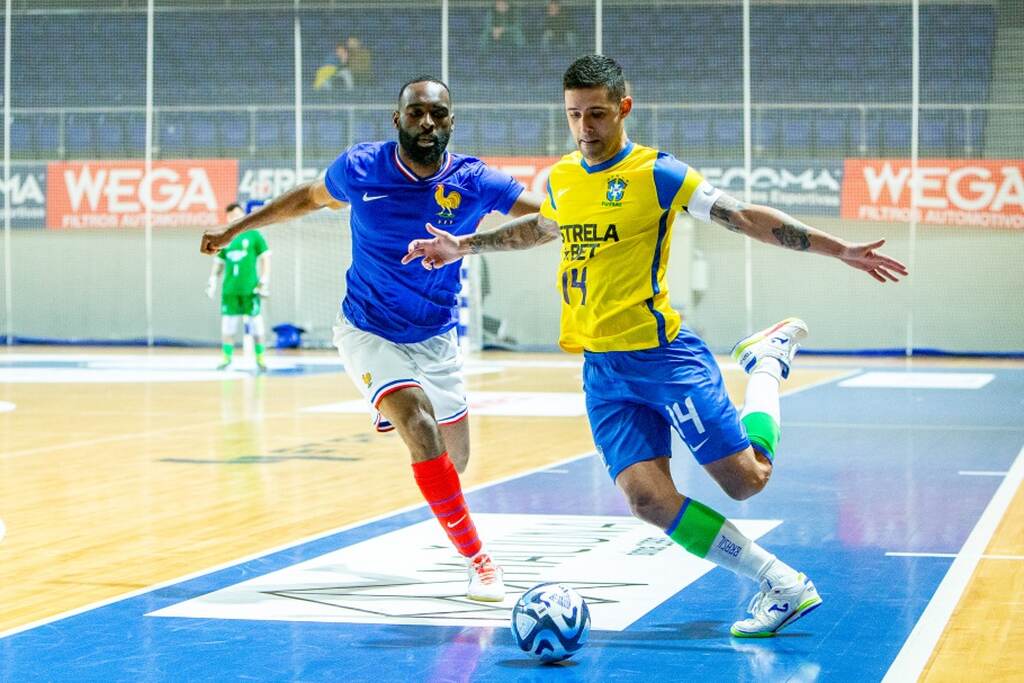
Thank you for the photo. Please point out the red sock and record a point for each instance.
(439, 483)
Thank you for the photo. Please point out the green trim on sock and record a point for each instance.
(698, 528)
(228, 349)
(763, 431)
(260, 348)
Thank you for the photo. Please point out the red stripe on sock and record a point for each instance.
(440, 486)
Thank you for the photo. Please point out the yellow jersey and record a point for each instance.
(616, 220)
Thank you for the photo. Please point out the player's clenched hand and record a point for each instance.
(879, 266)
(214, 240)
(434, 253)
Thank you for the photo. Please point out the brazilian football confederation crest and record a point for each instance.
(616, 191)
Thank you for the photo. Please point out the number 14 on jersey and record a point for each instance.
(575, 278)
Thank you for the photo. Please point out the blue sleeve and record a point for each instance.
(500, 189)
(336, 178)
(669, 174)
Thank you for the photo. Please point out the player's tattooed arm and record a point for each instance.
(772, 226)
(522, 233)
(444, 248)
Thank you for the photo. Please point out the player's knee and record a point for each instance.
(646, 506)
(751, 482)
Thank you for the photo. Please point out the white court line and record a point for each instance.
(948, 555)
(920, 644)
(271, 551)
(982, 473)
(904, 427)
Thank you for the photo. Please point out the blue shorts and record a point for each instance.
(634, 399)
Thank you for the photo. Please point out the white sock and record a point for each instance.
(776, 572)
(763, 390)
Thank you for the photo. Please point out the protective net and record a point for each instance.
(131, 126)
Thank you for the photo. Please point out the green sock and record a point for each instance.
(229, 350)
(763, 432)
(260, 348)
(695, 527)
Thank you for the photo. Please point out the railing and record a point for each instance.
(647, 125)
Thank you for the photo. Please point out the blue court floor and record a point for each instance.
(862, 471)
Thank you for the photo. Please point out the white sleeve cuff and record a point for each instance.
(704, 197)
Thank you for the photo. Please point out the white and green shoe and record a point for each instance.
(773, 609)
(780, 341)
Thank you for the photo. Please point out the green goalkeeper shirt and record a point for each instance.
(240, 274)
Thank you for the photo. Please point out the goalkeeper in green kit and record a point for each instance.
(245, 264)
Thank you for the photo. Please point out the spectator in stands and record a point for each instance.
(336, 72)
(558, 28)
(501, 29)
(360, 61)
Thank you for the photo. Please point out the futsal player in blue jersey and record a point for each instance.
(612, 203)
(396, 328)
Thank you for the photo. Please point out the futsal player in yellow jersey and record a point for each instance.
(613, 203)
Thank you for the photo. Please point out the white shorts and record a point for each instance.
(378, 367)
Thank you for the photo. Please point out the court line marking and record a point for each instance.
(276, 549)
(903, 427)
(315, 537)
(11, 455)
(953, 555)
(982, 473)
(920, 644)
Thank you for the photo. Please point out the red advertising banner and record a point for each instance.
(115, 194)
(974, 192)
(530, 171)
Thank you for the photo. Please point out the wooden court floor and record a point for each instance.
(109, 487)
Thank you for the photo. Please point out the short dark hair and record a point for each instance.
(595, 71)
(424, 79)
(232, 205)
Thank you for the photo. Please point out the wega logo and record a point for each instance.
(975, 192)
(116, 194)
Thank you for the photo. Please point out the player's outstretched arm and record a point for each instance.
(522, 233)
(772, 226)
(294, 203)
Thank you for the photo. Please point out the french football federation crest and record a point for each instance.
(367, 379)
(448, 202)
(616, 189)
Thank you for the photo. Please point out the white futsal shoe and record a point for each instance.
(780, 341)
(485, 579)
(773, 609)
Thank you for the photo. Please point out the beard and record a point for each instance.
(420, 154)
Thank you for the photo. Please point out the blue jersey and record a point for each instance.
(390, 207)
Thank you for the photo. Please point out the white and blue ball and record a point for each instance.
(551, 621)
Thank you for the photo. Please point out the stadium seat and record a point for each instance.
(111, 135)
(934, 133)
(172, 140)
(833, 132)
(529, 133)
(80, 136)
(797, 134)
(896, 134)
(22, 134)
(203, 134)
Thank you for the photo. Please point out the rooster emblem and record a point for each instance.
(448, 203)
(367, 379)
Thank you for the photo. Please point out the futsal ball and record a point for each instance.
(551, 622)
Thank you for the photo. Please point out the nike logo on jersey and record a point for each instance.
(367, 197)
(452, 525)
(700, 445)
